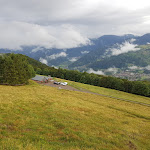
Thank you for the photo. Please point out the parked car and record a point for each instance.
(64, 83)
(56, 83)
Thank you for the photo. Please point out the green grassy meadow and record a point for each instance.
(36, 117)
(108, 92)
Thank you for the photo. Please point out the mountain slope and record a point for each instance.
(139, 58)
(143, 40)
(42, 117)
(121, 44)
(103, 43)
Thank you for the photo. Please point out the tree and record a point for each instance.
(128, 85)
(16, 70)
(1, 68)
(38, 71)
(46, 72)
(140, 88)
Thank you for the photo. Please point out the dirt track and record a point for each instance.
(67, 87)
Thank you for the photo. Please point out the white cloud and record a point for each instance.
(147, 67)
(113, 70)
(133, 67)
(55, 56)
(84, 52)
(124, 48)
(42, 60)
(66, 24)
(73, 59)
(16, 34)
(55, 67)
(99, 72)
(139, 68)
(37, 49)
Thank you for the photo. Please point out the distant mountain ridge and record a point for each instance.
(139, 58)
(80, 57)
(91, 59)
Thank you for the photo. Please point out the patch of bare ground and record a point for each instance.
(66, 87)
(131, 146)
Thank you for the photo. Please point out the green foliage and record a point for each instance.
(128, 85)
(45, 71)
(138, 58)
(112, 82)
(39, 71)
(102, 81)
(1, 68)
(140, 88)
(96, 61)
(15, 70)
(14, 63)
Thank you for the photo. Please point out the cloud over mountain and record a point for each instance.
(99, 72)
(55, 56)
(124, 48)
(16, 34)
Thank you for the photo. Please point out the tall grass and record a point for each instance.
(108, 92)
(35, 117)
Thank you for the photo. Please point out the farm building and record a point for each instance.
(39, 78)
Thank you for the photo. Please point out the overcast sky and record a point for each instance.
(69, 23)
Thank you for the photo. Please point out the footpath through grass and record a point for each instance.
(36, 117)
(108, 92)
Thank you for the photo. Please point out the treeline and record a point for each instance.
(135, 87)
(17, 69)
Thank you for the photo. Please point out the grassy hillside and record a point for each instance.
(41, 117)
(108, 92)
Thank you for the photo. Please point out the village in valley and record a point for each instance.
(132, 76)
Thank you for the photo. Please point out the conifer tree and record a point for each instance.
(16, 70)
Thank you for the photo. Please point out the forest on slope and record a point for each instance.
(135, 87)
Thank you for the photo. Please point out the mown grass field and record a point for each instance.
(36, 117)
(108, 92)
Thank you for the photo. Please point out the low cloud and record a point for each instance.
(137, 67)
(55, 56)
(99, 72)
(16, 34)
(84, 52)
(133, 67)
(147, 67)
(55, 67)
(37, 49)
(73, 59)
(113, 70)
(44, 61)
(124, 48)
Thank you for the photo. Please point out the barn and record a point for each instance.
(39, 78)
